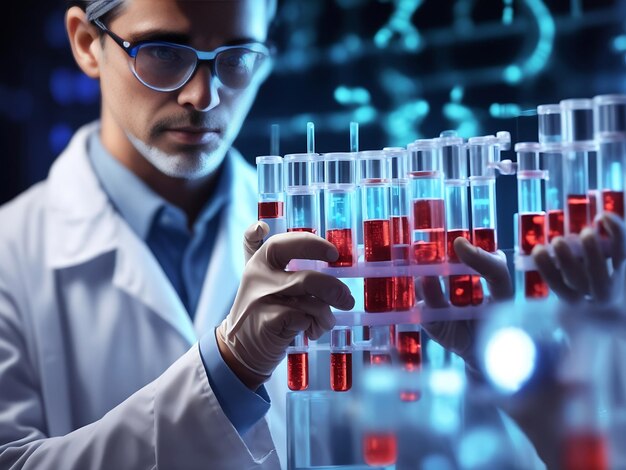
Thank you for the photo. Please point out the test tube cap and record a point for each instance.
(527, 156)
(453, 155)
(270, 174)
(609, 116)
(340, 169)
(374, 165)
(577, 120)
(397, 161)
(549, 120)
(299, 170)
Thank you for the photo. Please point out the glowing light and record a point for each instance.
(479, 448)
(510, 359)
(446, 382)
(513, 74)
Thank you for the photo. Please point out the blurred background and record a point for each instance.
(403, 69)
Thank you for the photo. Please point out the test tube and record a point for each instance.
(577, 132)
(552, 161)
(271, 192)
(380, 337)
(454, 157)
(610, 134)
(377, 232)
(532, 217)
(404, 287)
(426, 183)
(302, 199)
(341, 359)
(340, 202)
(484, 154)
(409, 346)
(298, 363)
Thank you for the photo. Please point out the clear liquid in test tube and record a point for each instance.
(532, 223)
(302, 198)
(271, 205)
(427, 202)
(340, 202)
(377, 232)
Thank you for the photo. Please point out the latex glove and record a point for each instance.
(459, 336)
(572, 277)
(253, 238)
(272, 306)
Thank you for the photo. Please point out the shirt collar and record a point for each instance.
(137, 203)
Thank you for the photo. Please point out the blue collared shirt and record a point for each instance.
(184, 256)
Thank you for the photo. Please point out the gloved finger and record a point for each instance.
(552, 275)
(617, 235)
(491, 266)
(326, 288)
(253, 238)
(572, 268)
(431, 292)
(456, 336)
(322, 319)
(595, 266)
(302, 314)
(282, 248)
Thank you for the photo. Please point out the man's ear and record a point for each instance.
(84, 40)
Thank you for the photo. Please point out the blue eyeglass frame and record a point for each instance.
(201, 56)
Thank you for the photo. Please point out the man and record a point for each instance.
(116, 265)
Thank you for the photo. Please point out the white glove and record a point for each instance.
(272, 306)
(253, 238)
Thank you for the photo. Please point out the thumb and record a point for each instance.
(253, 238)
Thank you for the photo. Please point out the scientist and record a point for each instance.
(116, 270)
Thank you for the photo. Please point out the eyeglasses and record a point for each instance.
(166, 66)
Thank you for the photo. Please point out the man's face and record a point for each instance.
(184, 133)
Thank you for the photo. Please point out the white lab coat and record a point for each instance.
(98, 362)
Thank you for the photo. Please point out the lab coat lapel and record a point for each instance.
(82, 225)
(227, 260)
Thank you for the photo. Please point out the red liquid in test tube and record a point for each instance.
(379, 292)
(302, 229)
(380, 449)
(377, 359)
(586, 451)
(270, 210)
(532, 233)
(410, 349)
(556, 224)
(484, 238)
(578, 208)
(404, 287)
(460, 285)
(342, 239)
(428, 217)
(340, 371)
(298, 371)
(534, 285)
(613, 201)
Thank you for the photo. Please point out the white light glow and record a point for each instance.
(510, 359)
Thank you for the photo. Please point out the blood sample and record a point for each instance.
(377, 359)
(409, 345)
(339, 205)
(404, 293)
(585, 451)
(578, 211)
(302, 229)
(341, 359)
(298, 363)
(429, 237)
(613, 201)
(532, 218)
(460, 285)
(556, 224)
(302, 201)
(271, 193)
(377, 240)
(380, 448)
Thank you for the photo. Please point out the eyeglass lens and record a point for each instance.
(165, 66)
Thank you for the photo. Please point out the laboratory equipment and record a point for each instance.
(454, 157)
(302, 198)
(298, 363)
(271, 204)
(531, 216)
(610, 135)
(427, 199)
(377, 231)
(341, 359)
(340, 211)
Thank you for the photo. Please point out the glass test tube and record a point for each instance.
(577, 132)
(302, 198)
(298, 363)
(380, 338)
(317, 183)
(610, 135)
(377, 232)
(426, 183)
(404, 287)
(409, 347)
(340, 204)
(552, 161)
(454, 157)
(341, 359)
(271, 192)
(532, 218)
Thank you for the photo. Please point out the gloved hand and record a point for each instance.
(273, 305)
(571, 277)
(459, 336)
(253, 238)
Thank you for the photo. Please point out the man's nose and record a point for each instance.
(201, 91)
